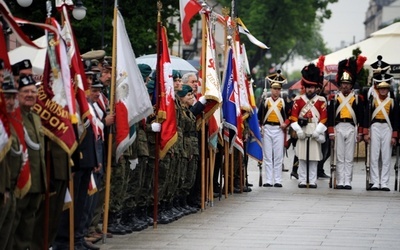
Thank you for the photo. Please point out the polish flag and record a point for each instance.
(188, 8)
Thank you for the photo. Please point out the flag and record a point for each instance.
(14, 120)
(211, 82)
(228, 101)
(253, 144)
(240, 69)
(52, 106)
(187, 8)
(244, 30)
(5, 141)
(131, 98)
(80, 110)
(166, 112)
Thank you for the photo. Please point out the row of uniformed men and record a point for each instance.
(343, 121)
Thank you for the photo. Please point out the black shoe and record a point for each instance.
(249, 184)
(236, 190)
(267, 185)
(374, 188)
(339, 187)
(348, 187)
(246, 189)
(385, 189)
(323, 176)
(278, 185)
(90, 245)
(312, 186)
(116, 229)
(294, 174)
(302, 185)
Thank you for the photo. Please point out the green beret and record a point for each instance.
(145, 70)
(185, 90)
(176, 74)
(150, 86)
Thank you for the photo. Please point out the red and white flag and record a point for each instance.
(131, 100)
(166, 112)
(5, 141)
(13, 120)
(188, 9)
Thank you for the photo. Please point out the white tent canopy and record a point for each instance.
(36, 56)
(384, 42)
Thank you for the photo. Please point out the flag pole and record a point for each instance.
(110, 136)
(203, 90)
(158, 93)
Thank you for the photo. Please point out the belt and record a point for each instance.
(272, 123)
(347, 120)
(379, 120)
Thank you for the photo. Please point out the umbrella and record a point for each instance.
(176, 62)
(36, 56)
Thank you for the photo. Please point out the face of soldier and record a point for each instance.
(27, 96)
(275, 92)
(94, 94)
(310, 90)
(345, 87)
(177, 84)
(192, 82)
(10, 101)
(383, 92)
(188, 99)
(89, 80)
(105, 77)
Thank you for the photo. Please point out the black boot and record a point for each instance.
(163, 217)
(130, 221)
(295, 167)
(183, 202)
(142, 215)
(113, 225)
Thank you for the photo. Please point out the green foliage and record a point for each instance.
(140, 19)
(289, 27)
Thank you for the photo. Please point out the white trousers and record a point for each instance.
(273, 137)
(381, 136)
(313, 165)
(345, 143)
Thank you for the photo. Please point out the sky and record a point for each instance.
(345, 26)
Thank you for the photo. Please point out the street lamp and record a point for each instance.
(79, 11)
(24, 3)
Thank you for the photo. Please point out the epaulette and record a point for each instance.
(321, 98)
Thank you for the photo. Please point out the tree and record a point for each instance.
(140, 21)
(290, 28)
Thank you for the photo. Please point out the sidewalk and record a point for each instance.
(283, 218)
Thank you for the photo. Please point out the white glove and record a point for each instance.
(203, 100)
(321, 138)
(301, 135)
(156, 127)
(133, 163)
(315, 135)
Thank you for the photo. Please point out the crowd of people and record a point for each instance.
(30, 219)
(323, 126)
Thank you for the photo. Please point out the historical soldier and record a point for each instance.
(308, 117)
(345, 120)
(273, 118)
(381, 126)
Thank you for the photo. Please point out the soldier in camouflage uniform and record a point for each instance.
(138, 160)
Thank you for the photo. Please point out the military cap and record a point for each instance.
(8, 84)
(25, 80)
(87, 64)
(15, 69)
(185, 90)
(380, 67)
(24, 64)
(145, 70)
(276, 79)
(94, 54)
(176, 74)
